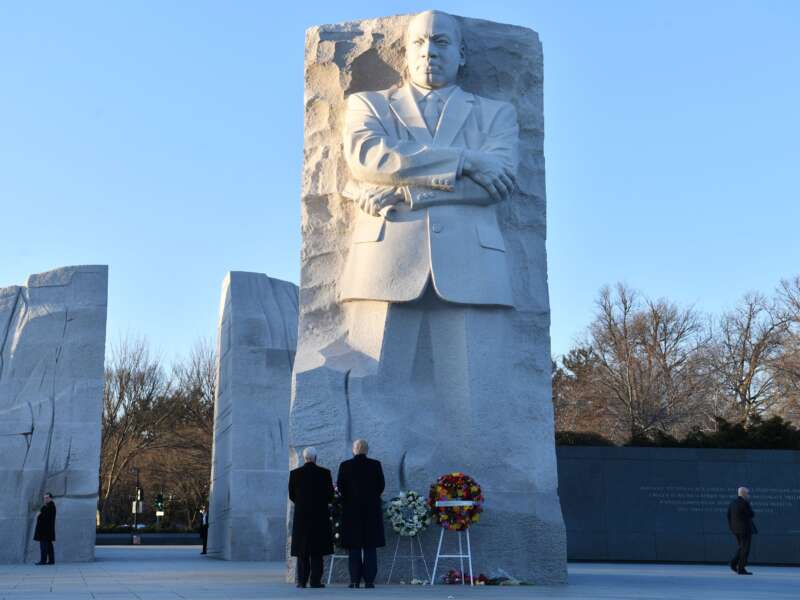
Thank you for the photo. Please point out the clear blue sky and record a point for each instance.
(165, 139)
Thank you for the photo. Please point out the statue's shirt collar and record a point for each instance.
(420, 93)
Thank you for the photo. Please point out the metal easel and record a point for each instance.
(461, 555)
(330, 565)
(413, 556)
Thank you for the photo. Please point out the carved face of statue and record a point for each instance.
(434, 50)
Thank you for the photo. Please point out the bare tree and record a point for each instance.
(192, 431)
(749, 343)
(651, 360)
(786, 367)
(581, 403)
(136, 409)
(789, 295)
(195, 383)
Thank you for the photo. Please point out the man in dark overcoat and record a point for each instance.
(361, 484)
(740, 521)
(45, 532)
(204, 529)
(311, 490)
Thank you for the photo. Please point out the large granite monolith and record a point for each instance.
(424, 311)
(256, 346)
(52, 347)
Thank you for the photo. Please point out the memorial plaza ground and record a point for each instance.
(180, 573)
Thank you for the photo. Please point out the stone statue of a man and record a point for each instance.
(424, 313)
(426, 283)
(429, 161)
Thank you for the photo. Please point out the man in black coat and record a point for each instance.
(45, 532)
(361, 484)
(740, 521)
(311, 490)
(204, 529)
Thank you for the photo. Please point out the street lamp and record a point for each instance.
(136, 508)
(159, 505)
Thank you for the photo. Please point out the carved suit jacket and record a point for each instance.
(446, 231)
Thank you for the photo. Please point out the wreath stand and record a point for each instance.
(461, 555)
(413, 556)
(330, 565)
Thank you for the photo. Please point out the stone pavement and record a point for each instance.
(180, 573)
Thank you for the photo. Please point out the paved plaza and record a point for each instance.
(180, 573)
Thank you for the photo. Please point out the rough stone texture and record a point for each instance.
(257, 341)
(52, 348)
(492, 419)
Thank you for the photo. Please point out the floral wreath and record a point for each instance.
(460, 488)
(408, 514)
(335, 510)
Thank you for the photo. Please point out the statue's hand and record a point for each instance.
(374, 199)
(490, 172)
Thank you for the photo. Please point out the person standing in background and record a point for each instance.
(45, 532)
(311, 490)
(204, 528)
(740, 521)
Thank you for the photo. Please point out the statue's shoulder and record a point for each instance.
(376, 99)
(498, 112)
(492, 106)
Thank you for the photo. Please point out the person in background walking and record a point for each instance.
(311, 490)
(204, 528)
(45, 532)
(740, 521)
(361, 484)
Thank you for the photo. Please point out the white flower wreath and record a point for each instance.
(408, 514)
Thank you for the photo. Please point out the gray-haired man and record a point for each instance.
(740, 521)
(311, 489)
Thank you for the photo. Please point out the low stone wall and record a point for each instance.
(149, 539)
(670, 504)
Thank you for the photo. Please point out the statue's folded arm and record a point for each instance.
(376, 156)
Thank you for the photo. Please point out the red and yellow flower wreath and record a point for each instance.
(456, 487)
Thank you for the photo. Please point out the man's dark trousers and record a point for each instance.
(739, 560)
(46, 552)
(309, 568)
(365, 567)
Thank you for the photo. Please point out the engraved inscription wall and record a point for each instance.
(685, 498)
(670, 504)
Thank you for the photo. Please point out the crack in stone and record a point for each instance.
(349, 428)
(29, 436)
(66, 461)
(7, 330)
(401, 475)
(280, 312)
(66, 322)
(46, 475)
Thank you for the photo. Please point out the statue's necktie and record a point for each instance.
(432, 110)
